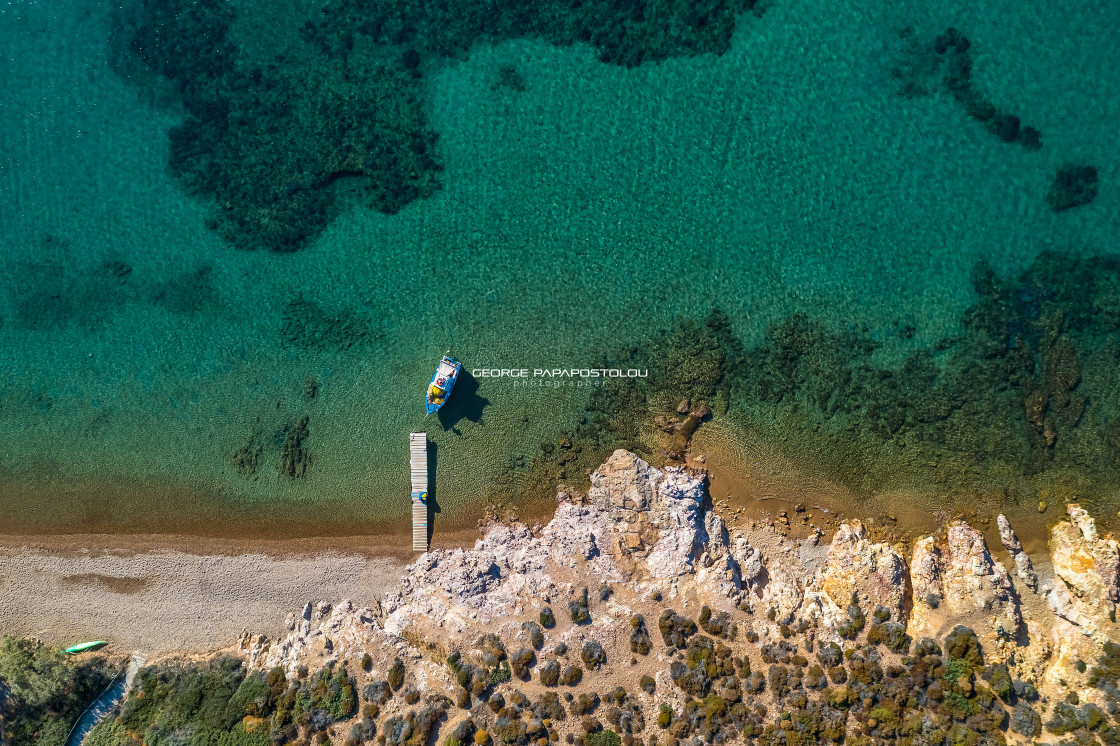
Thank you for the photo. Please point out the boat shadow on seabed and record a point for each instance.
(463, 404)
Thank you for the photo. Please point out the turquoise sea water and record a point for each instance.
(581, 206)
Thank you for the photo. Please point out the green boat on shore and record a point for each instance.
(84, 646)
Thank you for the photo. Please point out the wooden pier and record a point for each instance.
(418, 463)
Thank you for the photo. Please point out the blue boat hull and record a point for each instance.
(446, 364)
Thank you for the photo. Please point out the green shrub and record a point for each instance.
(963, 643)
(500, 674)
(602, 738)
(883, 715)
(854, 623)
(535, 634)
(955, 669)
(675, 629)
(585, 703)
(207, 704)
(109, 732)
(960, 706)
(578, 609)
(714, 706)
(999, 679)
(640, 641)
(395, 677)
(521, 661)
(549, 672)
(42, 691)
(571, 675)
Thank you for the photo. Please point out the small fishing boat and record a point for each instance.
(84, 646)
(442, 383)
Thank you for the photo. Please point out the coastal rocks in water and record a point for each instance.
(876, 573)
(270, 139)
(1073, 186)
(1086, 572)
(960, 582)
(681, 430)
(1023, 567)
(248, 455)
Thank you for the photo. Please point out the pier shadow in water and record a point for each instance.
(463, 404)
(433, 496)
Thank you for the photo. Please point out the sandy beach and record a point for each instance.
(137, 594)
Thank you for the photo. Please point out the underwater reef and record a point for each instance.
(945, 64)
(269, 145)
(1022, 402)
(273, 146)
(49, 293)
(1073, 186)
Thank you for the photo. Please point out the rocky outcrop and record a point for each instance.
(1086, 573)
(925, 573)
(1023, 567)
(321, 630)
(876, 573)
(637, 522)
(627, 487)
(972, 580)
(961, 583)
(655, 514)
(645, 536)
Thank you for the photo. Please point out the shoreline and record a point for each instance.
(177, 594)
(395, 545)
(186, 593)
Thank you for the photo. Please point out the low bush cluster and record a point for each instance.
(42, 692)
(220, 703)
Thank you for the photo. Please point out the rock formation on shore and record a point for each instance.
(790, 641)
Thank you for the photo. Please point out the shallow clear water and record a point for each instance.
(582, 206)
